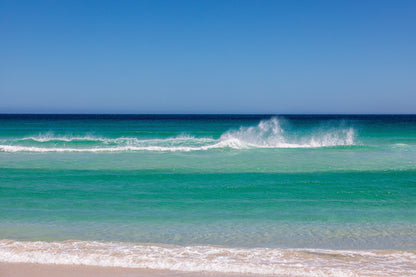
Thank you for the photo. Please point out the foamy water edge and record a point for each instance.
(261, 261)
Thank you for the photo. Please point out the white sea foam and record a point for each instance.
(270, 134)
(267, 134)
(12, 148)
(262, 261)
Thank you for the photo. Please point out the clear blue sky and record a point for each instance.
(207, 56)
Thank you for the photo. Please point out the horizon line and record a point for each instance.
(202, 114)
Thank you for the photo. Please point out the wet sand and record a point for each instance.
(42, 270)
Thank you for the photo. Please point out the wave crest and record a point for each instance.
(267, 134)
(270, 134)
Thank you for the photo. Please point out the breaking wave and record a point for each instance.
(261, 261)
(267, 134)
(270, 134)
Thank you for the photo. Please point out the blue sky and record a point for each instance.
(207, 56)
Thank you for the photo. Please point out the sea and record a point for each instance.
(263, 195)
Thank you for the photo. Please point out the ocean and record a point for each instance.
(283, 195)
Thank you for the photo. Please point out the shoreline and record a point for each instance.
(88, 258)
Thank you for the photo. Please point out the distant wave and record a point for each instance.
(121, 140)
(267, 134)
(261, 261)
(50, 137)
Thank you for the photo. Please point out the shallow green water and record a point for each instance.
(337, 182)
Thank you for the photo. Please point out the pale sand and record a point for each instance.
(41, 270)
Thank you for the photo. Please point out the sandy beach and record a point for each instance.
(42, 270)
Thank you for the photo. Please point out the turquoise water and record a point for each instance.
(257, 183)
